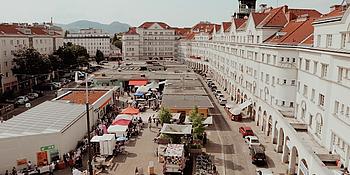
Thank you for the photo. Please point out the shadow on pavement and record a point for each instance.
(216, 148)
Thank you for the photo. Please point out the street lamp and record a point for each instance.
(88, 126)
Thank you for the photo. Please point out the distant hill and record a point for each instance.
(114, 27)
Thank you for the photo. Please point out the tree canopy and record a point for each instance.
(164, 115)
(99, 56)
(31, 62)
(72, 55)
(197, 123)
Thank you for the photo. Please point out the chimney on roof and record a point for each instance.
(285, 8)
(335, 7)
(262, 7)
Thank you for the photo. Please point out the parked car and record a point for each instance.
(263, 171)
(222, 101)
(257, 154)
(217, 92)
(246, 131)
(21, 100)
(32, 95)
(219, 96)
(252, 140)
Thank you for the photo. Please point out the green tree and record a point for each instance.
(31, 62)
(56, 62)
(164, 115)
(99, 56)
(72, 55)
(197, 123)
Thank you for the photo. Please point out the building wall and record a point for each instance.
(45, 44)
(151, 43)
(92, 40)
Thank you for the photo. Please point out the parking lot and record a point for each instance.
(48, 95)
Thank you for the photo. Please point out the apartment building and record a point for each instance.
(92, 40)
(45, 38)
(151, 40)
(293, 65)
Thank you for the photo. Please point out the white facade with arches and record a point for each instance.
(299, 90)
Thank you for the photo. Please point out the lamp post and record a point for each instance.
(88, 126)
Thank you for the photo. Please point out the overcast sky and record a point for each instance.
(174, 12)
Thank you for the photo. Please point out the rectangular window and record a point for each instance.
(324, 68)
(329, 40)
(336, 107)
(318, 40)
(321, 100)
(291, 104)
(307, 65)
(305, 91)
(315, 67)
(313, 95)
(343, 40)
(293, 82)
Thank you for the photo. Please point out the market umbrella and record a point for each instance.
(131, 111)
(120, 139)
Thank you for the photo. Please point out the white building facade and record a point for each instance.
(293, 64)
(13, 37)
(151, 40)
(92, 40)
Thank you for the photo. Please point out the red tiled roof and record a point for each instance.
(310, 12)
(337, 12)
(239, 22)
(308, 41)
(131, 31)
(190, 36)
(226, 26)
(205, 27)
(217, 27)
(147, 25)
(258, 17)
(275, 18)
(182, 31)
(9, 29)
(79, 97)
(38, 31)
(294, 33)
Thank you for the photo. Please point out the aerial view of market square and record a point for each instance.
(236, 87)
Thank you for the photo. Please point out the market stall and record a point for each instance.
(118, 130)
(130, 111)
(107, 143)
(174, 159)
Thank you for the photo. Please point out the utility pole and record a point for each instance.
(88, 126)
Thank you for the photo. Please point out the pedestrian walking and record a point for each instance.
(14, 171)
(7, 172)
(136, 171)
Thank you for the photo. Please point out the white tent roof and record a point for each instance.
(153, 85)
(176, 129)
(143, 89)
(107, 137)
(117, 128)
(96, 139)
(45, 118)
(238, 110)
(176, 116)
(124, 116)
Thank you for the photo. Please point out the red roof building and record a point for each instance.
(147, 25)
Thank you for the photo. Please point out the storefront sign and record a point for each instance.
(41, 158)
(47, 148)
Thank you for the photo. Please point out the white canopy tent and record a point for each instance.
(124, 117)
(96, 139)
(176, 129)
(117, 129)
(153, 85)
(143, 89)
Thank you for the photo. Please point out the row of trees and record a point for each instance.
(69, 56)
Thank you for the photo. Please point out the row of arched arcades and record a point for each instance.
(265, 121)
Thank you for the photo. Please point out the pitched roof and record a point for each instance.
(310, 12)
(295, 32)
(14, 29)
(226, 26)
(338, 11)
(79, 97)
(131, 31)
(275, 18)
(182, 31)
(238, 22)
(258, 17)
(147, 25)
(205, 27)
(9, 29)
